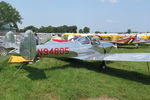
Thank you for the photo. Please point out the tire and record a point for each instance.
(3, 52)
(103, 66)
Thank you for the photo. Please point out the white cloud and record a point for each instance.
(102, 0)
(112, 1)
(109, 20)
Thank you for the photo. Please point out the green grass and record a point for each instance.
(70, 79)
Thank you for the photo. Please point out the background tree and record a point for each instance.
(9, 15)
(65, 29)
(97, 32)
(129, 31)
(73, 29)
(34, 29)
(80, 31)
(51, 29)
(86, 30)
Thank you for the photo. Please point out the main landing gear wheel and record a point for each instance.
(3, 52)
(103, 66)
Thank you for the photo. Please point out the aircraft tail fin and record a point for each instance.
(28, 46)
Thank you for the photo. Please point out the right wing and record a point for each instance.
(137, 57)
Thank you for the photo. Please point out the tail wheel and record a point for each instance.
(3, 52)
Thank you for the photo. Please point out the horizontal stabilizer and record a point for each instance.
(18, 59)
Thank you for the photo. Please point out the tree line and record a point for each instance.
(52, 29)
(59, 29)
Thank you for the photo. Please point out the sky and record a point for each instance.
(98, 15)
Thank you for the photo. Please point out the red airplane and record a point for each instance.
(127, 41)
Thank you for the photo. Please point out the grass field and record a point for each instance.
(69, 79)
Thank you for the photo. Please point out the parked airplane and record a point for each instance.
(128, 41)
(7, 43)
(82, 48)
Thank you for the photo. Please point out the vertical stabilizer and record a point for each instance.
(28, 46)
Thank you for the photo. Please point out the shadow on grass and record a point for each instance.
(34, 73)
(95, 66)
(3, 64)
(133, 46)
(38, 74)
(129, 75)
(127, 47)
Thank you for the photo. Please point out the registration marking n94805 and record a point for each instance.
(53, 51)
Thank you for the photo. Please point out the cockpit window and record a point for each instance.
(84, 40)
(95, 40)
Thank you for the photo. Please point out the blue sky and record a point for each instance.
(99, 15)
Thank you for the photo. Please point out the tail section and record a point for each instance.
(28, 46)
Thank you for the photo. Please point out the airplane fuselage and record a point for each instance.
(71, 49)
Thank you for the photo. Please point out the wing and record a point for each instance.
(138, 42)
(122, 42)
(137, 57)
(90, 55)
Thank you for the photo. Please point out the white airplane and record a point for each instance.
(83, 48)
(8, 43)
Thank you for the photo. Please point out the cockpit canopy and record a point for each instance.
(95, 40)
(89, 40)
(84, 40)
